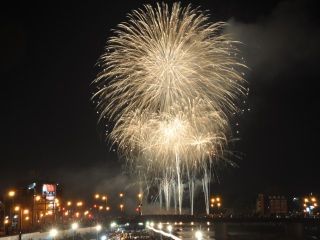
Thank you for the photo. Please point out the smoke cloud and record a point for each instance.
(280, 42)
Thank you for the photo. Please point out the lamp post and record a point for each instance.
(105, 200)
(21, 212)
(11, 195)
(74, 227)
(98, 229)
(215, 202)
(310, 203)
(121, 207)
(140, 203)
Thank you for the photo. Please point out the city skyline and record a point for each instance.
(50, 129)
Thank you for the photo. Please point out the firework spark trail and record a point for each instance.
(169, 83)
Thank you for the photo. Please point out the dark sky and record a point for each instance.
(48, 125)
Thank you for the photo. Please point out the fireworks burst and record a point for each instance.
(170, 80)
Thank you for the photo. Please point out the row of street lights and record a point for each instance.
(53, 233)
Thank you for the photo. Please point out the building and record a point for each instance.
(278, 205)
(271, 205)
(260, 205)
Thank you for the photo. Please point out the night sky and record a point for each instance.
(49, 126)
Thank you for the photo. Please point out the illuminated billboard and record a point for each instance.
(49, 191)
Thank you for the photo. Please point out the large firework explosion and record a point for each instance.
(170, 80)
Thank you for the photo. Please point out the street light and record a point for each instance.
(104, 237)
(11, 193)
(74, 227)
(21, 211)
(121, 207)
(53, 233)
(98, 228)
(97, 196)
(169, 228)
(309, 204)
(198, 235)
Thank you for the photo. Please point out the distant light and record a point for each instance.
(98, 228)
(113, 224)
(32, 186)
(152, 224)
(169, 228)
(198, 235)
(160, 225)
(103, 237)
(140, 224)
(53, 232)
(74, 226)
(11, 193)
